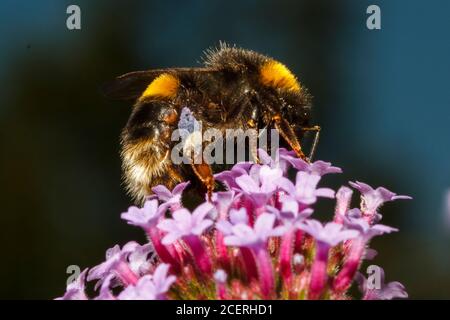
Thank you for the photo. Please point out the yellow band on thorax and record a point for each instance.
(276, 75)
(164, 86)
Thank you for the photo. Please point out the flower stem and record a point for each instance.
(250, 264)
(286, 249)
(162, 251)
(265, 271)
(222, 252)
(127, 276)
(319, 274)
(298, 241)
(344, 278)
(200, 255)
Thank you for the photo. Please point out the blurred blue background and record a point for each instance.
(382, 98)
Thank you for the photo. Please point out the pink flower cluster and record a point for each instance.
(255, 240)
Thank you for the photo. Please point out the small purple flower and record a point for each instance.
(356, 248)
(223, 201)
(142, 291)
(116, 262)
(387, 291)
(326, 237)
(171, 199)
(150, 287)
(305, 189)
(332, 233)
(261, 181)
(242, 235)
(184, 223)
(229, 177)
(140, 260)
(161, 280)
(76, 289)
(278, 161)
(290, 212)
(318, 167)
(146, 217)
(355, 222)
(372, 199)
(236, 216)
(105, 290)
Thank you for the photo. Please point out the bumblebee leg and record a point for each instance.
(254, 151)
(288, 134)
(204, 172)
(253, 145)
(316, 129)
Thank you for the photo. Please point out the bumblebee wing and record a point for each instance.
(131, 85)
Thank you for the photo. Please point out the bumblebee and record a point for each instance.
(235, 89)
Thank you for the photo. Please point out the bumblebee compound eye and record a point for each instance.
(165, 86)
(276, 75)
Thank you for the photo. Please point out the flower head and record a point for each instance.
(372, 199)
(242, 235)
(184, 223)
(262, 243)
(332, 233)
(305, 189)
(145, 217)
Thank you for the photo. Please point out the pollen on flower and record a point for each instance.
(259, 239)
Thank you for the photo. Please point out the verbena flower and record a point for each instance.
(242, 235)
(116, 263)
(326, 237)
(258, 239)
(372, 199)
(150, 287)
(146, 217)
(385, 291)
(305, 190)
(185, 224)
(171, 199)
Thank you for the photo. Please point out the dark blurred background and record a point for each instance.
(381, 96)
